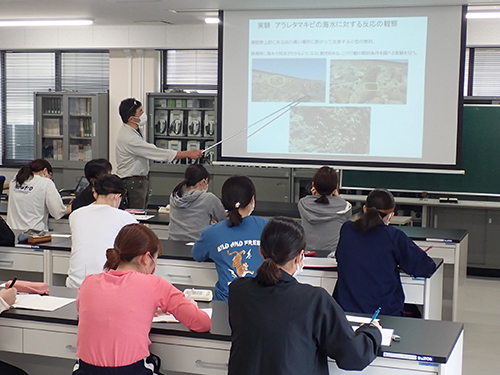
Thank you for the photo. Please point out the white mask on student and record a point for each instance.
(300, 267)
(253, 207)
(143, 120)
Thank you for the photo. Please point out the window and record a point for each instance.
(486, 79)
(190, 70)
(85, 71)
(24, 73)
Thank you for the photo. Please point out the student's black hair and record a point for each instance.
(96, 168)
(192, 175)
(325, 182)
(237, 192)
(26, 171)
(128, 107)
(109, 184)
(282, 239)
(377, 200)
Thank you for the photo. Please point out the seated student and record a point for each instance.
(192, 207)
(280, 326)
(33, 196)
(93, 170)
(116, 308)
(94, 229)
(324, 212)
(8, 298)
(370, 254)
(233, 244)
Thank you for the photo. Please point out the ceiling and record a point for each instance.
(181, 12)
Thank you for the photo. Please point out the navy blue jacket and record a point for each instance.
(368, 268)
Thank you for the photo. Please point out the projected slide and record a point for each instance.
(351, 81)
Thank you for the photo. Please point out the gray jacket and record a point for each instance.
(192, 213)
(322, 222)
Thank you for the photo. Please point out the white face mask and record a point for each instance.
(143, 120)
(253, 207)
(300, 267)
(387, 218)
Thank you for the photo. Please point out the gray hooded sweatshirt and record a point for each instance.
(192, 213)
(322, 222)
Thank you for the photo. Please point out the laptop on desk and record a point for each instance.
(67, 195)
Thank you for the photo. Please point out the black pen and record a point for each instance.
(13, 282)
(375, 315)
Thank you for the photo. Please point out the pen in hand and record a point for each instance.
(375, 315)
(13, 282)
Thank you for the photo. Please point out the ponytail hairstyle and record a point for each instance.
(109, 184)
(377, 201)
(27, 171)
(133, 240)
(237, 192)
(282, 239)
(193, 174)
(325, 182)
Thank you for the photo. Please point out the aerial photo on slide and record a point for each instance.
(330, 130)
(368, 81)
(288, 80)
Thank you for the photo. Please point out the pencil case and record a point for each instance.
(33, 240)
(31, 287)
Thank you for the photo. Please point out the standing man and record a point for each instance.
(133, 153)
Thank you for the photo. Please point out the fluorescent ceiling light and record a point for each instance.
(482, 15)
(46, 23)
(212, 20)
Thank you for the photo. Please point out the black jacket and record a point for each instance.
(291, 328)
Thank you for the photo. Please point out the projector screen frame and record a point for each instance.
(344, 164)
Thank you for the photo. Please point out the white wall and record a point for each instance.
(483, 33)
(134, 63)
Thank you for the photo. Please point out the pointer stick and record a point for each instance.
(284, 109)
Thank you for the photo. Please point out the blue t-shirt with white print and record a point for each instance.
(235, 251)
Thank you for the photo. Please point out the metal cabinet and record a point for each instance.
(180, 121)
(71, 128)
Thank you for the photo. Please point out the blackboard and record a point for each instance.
(480, 160)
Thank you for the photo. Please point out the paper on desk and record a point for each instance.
(162, 317)
(60, 235)
(190, 243)
(38, 302)
(386, 335)
(318, 262)
(359, 319)
(143, 217)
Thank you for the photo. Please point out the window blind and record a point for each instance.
(191, 68)
(486, 72)
(466, 73)
(85, 71)
(25, 73)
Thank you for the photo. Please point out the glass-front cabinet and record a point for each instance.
(71, 128)
(182, 121)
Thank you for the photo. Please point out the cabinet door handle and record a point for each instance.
(71, 348)
(7, 262)
(172, 275)
(214, 365)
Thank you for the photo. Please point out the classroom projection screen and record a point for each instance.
(374, 87)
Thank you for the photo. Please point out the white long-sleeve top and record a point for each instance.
(31, 203)
(93, 231)
(133, 153)
(3, 305)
